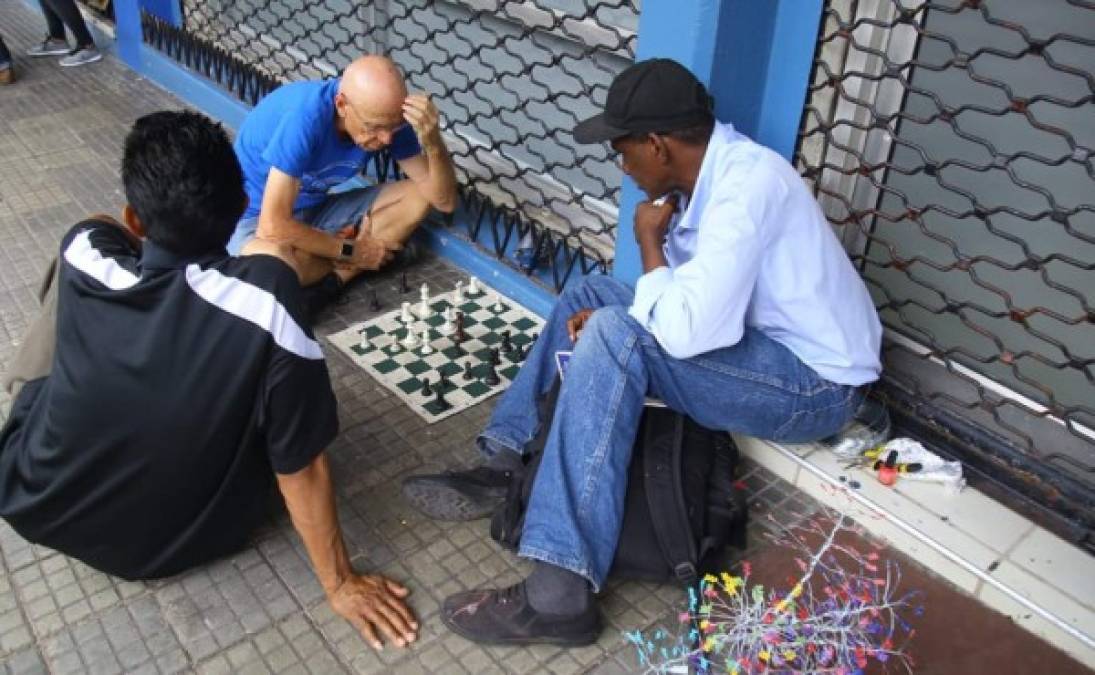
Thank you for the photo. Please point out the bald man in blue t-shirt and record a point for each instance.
(306, 137)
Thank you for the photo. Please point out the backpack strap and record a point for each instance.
(664, 494)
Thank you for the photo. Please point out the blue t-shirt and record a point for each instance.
(293, 129)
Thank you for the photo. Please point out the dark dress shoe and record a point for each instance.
(505, 617)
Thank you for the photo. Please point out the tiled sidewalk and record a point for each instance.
(61, 132)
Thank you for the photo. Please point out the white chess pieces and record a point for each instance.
(473, 286)
(410, 341)
(458, 293)
(426, 348)
(498, 303)
(405, 317)
(447, 328)
(424, 296)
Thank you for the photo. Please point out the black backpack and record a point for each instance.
(681, 509)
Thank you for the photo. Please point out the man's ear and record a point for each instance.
(133, 221)
(341, 103)
(659, 147)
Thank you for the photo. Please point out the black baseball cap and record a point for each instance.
(657, 95)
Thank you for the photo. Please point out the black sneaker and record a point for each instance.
(505, 617)
(458, 495)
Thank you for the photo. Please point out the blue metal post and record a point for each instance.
(685, 32)
(755, 57)
(127, 26)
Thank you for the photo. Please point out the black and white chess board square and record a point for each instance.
(376, 345)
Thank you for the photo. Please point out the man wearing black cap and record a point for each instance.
(748, 317)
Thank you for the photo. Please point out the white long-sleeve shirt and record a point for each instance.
(753, 248)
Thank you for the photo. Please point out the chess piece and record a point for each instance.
(443, 382)
(409, 341)
(458, 293)
(375, 301)
(426, 391)
(495, 357)
(447, 328)
(467, 371)
(460, 335)
(424, 297)
(473, 286)
(498, 303)
(492, 375)
(405, 316)
(403, 287)
(439, 401)
(426, 348)
(507, 346)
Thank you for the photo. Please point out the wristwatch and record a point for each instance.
(346, 253)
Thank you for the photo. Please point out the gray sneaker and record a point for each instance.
(80, 57)
(50, 47)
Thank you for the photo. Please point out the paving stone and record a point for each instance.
(25, 662)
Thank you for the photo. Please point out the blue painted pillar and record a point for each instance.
(127, 23)
(754, 56)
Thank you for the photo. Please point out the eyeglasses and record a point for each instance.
(378, 129)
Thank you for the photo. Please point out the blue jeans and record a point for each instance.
(757, 387)
(340, 209)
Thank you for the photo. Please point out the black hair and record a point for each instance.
(697, 134)
(182, 178)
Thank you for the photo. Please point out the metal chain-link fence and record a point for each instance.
(952, 143)
(511, 79)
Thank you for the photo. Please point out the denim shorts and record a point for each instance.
(340, 209)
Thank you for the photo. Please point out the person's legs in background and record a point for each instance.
(7, 64)
(58, 14)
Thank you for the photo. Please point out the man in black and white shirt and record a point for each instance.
(183, 385)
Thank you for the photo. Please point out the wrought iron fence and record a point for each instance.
(952, 144)
(511, 78)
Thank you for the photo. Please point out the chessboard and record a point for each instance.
(476, 340)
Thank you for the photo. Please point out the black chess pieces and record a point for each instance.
(459, 335)
(403, 287)
(439, 401)
(492, 375)
(374, 301)
(467, 371)
(507, 346)
(442, 382)
(495, 357)
(426, 391)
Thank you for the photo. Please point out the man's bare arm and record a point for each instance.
(432, 171)
(369, 602)
(276, 224)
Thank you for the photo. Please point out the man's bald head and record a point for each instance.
(370, 100)
(373, 81)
